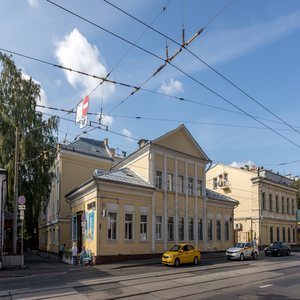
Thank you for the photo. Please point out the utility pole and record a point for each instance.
(15, 216)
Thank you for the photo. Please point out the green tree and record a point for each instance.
(296, 184)
(18, 99)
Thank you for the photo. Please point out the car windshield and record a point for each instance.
(239, 245)
(175, 248)
(275, 245)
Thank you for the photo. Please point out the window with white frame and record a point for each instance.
(143, 227)
(215, 183)
(170, 182)
(264, 204)
(210, 230)
(112, 226)
(181, 229)
(170, 229)
(159, 180)
(227, 236)
(191, 229)
(190, 185)
(180, 184)
(128, 227)
(200, 229)
(199, 187)
(277, 203)
(270, 202)
(218, 230)
(283, 205)
(158, 228)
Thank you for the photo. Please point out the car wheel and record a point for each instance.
(196, 260)
(242, 257)
(289, 252)
(278, 253)
(177, 262)
(254, 255)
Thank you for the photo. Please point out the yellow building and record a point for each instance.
(267, 208)
(74, 164)
(157, 196)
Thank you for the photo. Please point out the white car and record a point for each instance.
(241, 251)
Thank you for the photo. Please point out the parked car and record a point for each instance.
(181, 253)
(278, 248)
(241, 251)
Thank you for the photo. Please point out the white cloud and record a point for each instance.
(58, 82)
(108, 120)
(128, 134)
(239, 165)
(172, 87)
(33, 2)
(75, 52)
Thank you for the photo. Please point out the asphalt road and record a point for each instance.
(265, 278)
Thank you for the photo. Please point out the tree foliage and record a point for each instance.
(18, 99)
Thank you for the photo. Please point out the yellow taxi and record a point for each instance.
(180, 254)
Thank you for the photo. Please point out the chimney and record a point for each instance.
(105, 142)
(246, 168)
(142, 143)
(296, 178)
(288, 176)
(124, 153)
(112, 150)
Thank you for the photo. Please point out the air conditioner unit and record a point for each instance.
(238, 226)
(220, 183)
(225, 184)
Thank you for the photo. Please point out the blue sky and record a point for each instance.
(254, 44)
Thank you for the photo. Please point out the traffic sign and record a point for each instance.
(85, 106)
(22, 200)
(82, 218)
(22, 214)
(22, 207)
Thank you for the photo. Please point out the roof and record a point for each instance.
(90, 147)
(126, 175)
(214, 195)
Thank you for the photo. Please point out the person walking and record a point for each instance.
(254, 242)
(82, 254)
(74, 254)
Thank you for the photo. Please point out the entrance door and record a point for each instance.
(79, 234)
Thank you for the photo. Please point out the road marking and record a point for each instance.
(264, 286)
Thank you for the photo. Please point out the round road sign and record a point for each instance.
(82, 218)
(85, 106)
(22, 200)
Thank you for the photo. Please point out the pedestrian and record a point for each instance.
(62, 247)
(82, 254)
(254, 242)
(74, 253)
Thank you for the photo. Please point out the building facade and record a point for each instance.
(268, 203)
(172, 206)
(74, 164)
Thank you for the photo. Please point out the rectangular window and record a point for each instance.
(50, 234)
(170, 183)
(159, 180)
(57, 243)
(112, 226)
(180, 184)
(199, 187)
(287, 205)
(200, 229)
(283, 205)
(143, 227)
(271, 234)
(277, 203)
(53, 232)
(57, 206)
(283, 234)
(191, 229)
(181, 229)
(215, 183)
(270, 202)
(53, 209)
(293, 206)
(289, 235)
(170, 229)
(128, 227)
(210, 230)
(294, 236)
(264, 204)
(278, 234)
(74, 228)
(158, 228)
(227, 231)
(190, 186)
(218, 230)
